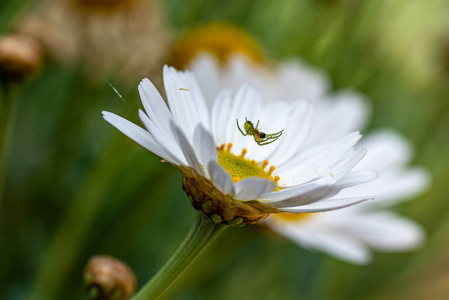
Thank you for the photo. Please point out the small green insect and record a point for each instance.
(260, 137)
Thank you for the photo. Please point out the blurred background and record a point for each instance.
(76, 187)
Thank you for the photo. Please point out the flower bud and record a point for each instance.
(107, 278)
(20, 57)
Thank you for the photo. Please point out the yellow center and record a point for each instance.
(291, 217)
(240, 167)
(219, 39)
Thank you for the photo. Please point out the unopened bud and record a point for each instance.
(107, 278)
(20, 57)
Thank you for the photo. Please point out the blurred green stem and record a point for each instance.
(6, 124)
(80, 215)
(202, 233)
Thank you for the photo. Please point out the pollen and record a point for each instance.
(240, 167)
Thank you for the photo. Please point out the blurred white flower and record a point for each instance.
(292, 80)
(347, 234)
(206, 141)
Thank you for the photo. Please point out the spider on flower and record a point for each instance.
(261, 138)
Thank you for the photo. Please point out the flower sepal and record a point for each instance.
(221, 208)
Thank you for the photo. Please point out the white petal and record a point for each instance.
(306, 168)
(392, 187)
(386, 231)
(220, 178)
(204, 146)
(165, 141)
(345, 112)
(186, 148)
(342, 168)
(357, 177)
(291, 81)
(251, 188)
(313, 194)
(387, 150)
(207, 72)
(138, 134)
(325, 184)
(154, 105)
(198, 99)
(327, 205)
(336, 243)
(344, 247)
(245, 103)
(180, 98)
(301, 81)
(292, 139)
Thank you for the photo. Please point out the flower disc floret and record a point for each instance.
(240, 167)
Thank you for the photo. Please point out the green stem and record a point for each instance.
(199, 237)
(6, 122)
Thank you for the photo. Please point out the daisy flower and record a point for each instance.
(346, 234)
(228, 176)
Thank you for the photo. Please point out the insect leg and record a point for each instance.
(267, 141)
(275, 135)
(237, 121)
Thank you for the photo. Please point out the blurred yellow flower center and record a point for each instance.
(291, 217)
(240, 167)
(222, 40)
